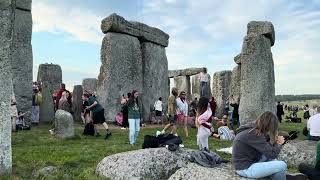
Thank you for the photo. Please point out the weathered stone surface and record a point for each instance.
(51, 77)
(297, 152)
(196, 172)
(237, 59)
(120, 72)
(155, 76)
(257, 78)
(77, 102)
(184, 72)
(182, 83)
(221, 89)
(24, 4)
(63, 124)
(6, 40)
(90, 84)
(235, 82)
(262, 28)
(158, 163)
(21, 62)
(116, 23)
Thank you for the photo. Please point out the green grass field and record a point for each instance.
(78, 157)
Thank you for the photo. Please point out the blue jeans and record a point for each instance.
(134, 128)
(275, 169)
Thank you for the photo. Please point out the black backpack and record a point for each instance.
(88, 129)
(150, 142)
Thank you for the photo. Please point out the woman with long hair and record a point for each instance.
(63, 103)
(204, 117)
(182, 111)
(256, 146)
(134, 114)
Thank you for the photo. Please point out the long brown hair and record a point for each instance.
(267, 124)
(132, 99)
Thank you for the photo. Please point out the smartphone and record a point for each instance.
(288, 138)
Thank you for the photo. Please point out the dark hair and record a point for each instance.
(202, 105)
(204, 70)
(160, 98)
(174, 91)
(86, 95)
(129, 94)
(132, 99)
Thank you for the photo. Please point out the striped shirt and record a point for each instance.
(225, 133)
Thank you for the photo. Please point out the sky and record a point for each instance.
(203, 33)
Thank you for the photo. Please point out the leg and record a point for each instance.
(276, 169)
(185, 127)
(132, 130)
(203, 136)
(137, 129)
(13, 122)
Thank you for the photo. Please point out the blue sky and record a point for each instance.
(202, 33)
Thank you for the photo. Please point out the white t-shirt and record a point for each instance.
(314, 125)
(183, 106)
(204, 77)
(312, 112)
(158, 105)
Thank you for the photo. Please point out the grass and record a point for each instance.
(77, 158)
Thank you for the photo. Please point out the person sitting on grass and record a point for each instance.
(256, 146)
(203, 120)
(313, 172)
(97, 114)
(224, 133)
(312, 132)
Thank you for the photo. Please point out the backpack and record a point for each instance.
(150, 142)
(38, 98)
(88, 129)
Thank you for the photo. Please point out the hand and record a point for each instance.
(280, 140)
(87, 107)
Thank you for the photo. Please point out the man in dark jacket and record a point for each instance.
(280, 111)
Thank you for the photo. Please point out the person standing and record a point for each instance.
(134, 114)
(235, 113)
(124, 110)
(172, 112)
(213, 106)
(204, 82)
(280, 111)
(64, 103)
(182, 110)
(36, 102)
(97, 114)
(204, 118)
(158, 109)
(14, 112)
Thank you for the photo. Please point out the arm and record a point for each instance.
(92, 105)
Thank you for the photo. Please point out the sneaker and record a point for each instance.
(296, 176)
(123, 128)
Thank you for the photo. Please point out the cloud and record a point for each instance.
(58, 17)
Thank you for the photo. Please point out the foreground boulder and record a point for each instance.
(158, 163)
(297, 152)
(63, 124)
(195, 172)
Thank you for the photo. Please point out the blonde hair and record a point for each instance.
(267, 124)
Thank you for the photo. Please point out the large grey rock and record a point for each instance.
(90, 84)
(155, 76)
(116, 23)
(184, 72)
(235, 82)
(264, 28)
(77, 102)
(63, 122)
(182, 83)
(120, 72)
(297, 152)
(221, 89)
(196, 172)
(158, 163)
(51, 77)
(6, 40)
(257, 78)
(21, 62)
(24, 4)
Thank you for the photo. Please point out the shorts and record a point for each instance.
(173, 119)
(98, 117)
(158, 113)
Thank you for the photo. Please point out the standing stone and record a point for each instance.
(257, 77)
(63, 124)
(90, 84)
(21, 62)
(120, 72)
(220, 90)
(155, 76)
(51, 77)
(195, 86)
(6, 41)
(77, 102)
(235, 82)
(182, 83)
(185, 72)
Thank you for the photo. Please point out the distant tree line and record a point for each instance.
(297, 97)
